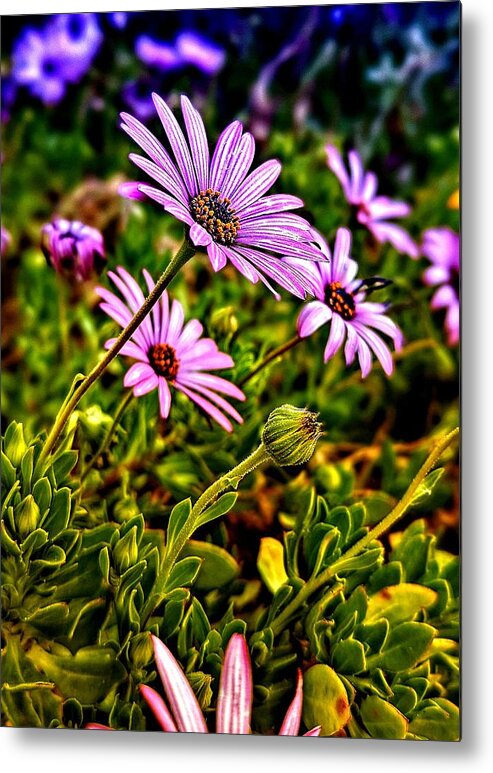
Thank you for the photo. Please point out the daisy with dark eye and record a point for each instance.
(341, 302)
(223, 204)
(170, 355)
(372, 211)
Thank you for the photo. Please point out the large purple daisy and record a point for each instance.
(169, 353)
(224, 206)
(442, 247)
(360, 190)
(341, 301)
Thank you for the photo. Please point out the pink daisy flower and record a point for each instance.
(360, 189)
(169, 353)
(234, 703)
(223, 204)
(442, 247)
(341, 302)
(73, 248)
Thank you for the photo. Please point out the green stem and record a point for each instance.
(231, 478)
(386, 523)
(271, 356)
(186, 251)
(105, 443)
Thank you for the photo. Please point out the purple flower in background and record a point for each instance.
(156, 54)
(442, 247)
(5, 241)
(74, 249)
(224, 206)
(9, 92)
(169, 353)
(46, 60)
(234, 703)
(118, 19)
(373, 211)
(200, 52)
(136, 94)
(341, 301)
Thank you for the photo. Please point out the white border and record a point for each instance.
(75, 751)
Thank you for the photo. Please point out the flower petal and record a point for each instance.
(178, 144)
(312, 316)
(342, 249)
(199, 236)
(335, 162)
(181, 698)
(206, 406)
(255, 185)
(225, 147)
(336, 336)
(291, 723)
(158, 708)
(164, 397)
(239, 164)
(137, 372)
(234, 703)
(197, 140)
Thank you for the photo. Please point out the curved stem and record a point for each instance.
(186, 251)
(386, 523)
(230, 479)
(105, 443)
(271, 356)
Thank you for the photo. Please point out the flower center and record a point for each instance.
(164, 361)
(216, 215)
(340, 301)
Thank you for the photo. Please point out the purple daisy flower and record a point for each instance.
(224, 206)
(73, 248)
(442, 247)
(169, 353)
(341, 301)
(360, 189)
(234, 703)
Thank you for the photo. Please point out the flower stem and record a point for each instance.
(186, 251)
(105, 443)
(386, 523)
(271, 356)
(228, 480)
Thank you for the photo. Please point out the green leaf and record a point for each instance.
(270, 563)
(406, 646)
(373, 634)
(220, 507)
(63, 465)
(218, 567)
(59, 515)
(348, 657)
(366, 560)
(382, 719)
(405, 698)
(425, 488)
(42, 494)
(391, 573)
(398, 603)
(183, 573)
(414, 552)
(436, 720)
(177, 519)
(325, 700)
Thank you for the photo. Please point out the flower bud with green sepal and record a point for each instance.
(290, 435)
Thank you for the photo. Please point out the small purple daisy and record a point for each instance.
(169, 353)
(360, 190)
(73, 248)
(442, 247)
(224, 206)
(341, 300)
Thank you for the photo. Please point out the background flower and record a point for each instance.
(169, 353)
(73, 248)
(442, 247)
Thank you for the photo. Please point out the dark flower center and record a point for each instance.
(216, 215)
(340, 301)
(164, 361)
(49, 67)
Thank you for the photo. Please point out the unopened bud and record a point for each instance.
(141, 650)
(26, 516)
(126, 552)
(15, 445)
(290, 435)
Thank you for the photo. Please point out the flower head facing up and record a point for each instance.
(74, 249)
(442, 247)
(360, 190)
(234, 703)
(341, 301)
(223, 204)
(46, 60)
(169, 353)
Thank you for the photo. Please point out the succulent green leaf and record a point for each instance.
(348, 657)
(218, 568)
(436, 720)
(382, 719)
(398, 603)
(221, 506)
(406, 645)
(325, 700)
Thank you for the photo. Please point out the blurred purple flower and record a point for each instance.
(118, 19)
(200, 52)
(341, 300)
(156, 54)
(9, 92)
(74, 249)
(373, 211)
(224, 206)
(137, 95)
(46, 60)
(5, 241)
(234, 703)
(168, 353)
(442, 247)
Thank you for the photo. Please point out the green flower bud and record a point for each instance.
(26, 516)
(290, 435)
(141, 650)
(126, 552)
(224, 321)
(14, 444)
